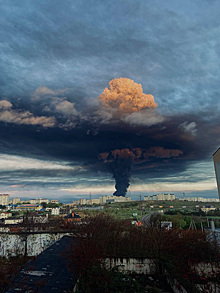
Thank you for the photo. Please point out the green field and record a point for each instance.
(180, 212)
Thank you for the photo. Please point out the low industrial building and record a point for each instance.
(28, 207)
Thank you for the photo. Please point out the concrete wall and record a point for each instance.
(137, 265)
(14, 244)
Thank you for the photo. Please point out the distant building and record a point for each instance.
(93, 201)
(4, 199)
(76, 202)
(12, 221)
(208, 209)
(39, 200)
(15, 200)
(104, 198)
(28, 207)
(202, 199)
(73, 217)
(161, 196)
(65, 211)
(5, 215)
(55, 211)
(82, 201)
(216, 159)
(54, 201)
(111, 198)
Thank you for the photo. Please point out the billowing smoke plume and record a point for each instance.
(123, 96)
(121, 161)
(126, 96)
(121, 170)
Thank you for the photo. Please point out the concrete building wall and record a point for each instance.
(14, 244)
(55, 211)
(137, 265)
(161, 196)
(216, 159)
(38, 200)
(93, 201)
(82, 201)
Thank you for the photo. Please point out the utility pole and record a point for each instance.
(141, 206)
(192, 225)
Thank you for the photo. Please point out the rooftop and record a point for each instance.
(48, 273)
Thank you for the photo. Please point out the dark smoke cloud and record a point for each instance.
(101, 141)
(121, 161)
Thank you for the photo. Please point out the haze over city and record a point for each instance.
(95, 94)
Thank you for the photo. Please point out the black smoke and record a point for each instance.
(121, 170)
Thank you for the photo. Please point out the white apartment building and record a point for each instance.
(202, 199)
(55, 211)
(161, 196)
(104, 198)
(4, 199)
(38, 200)
(5, 215)
(82, 201)
(121, 199)
(93, 201)
(112, 198)
(15, 200)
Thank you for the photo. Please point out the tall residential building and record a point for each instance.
(4, 199)
(161, 196)
(82, 201)
(216, 159)
(93, 201)
(15, 200)
(39, 200)
(112, 198)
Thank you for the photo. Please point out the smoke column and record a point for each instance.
(124, 96)
(121, 170)
(121, 161)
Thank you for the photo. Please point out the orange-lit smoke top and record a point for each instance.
(126, 96)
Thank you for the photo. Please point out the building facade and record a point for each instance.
(161, 196)
(16, 200)
(4, 199)
(216, 159)
(39, 200)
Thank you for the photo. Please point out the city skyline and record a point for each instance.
(60, 135)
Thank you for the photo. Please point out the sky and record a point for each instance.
(97, 93)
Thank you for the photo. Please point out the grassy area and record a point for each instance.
(136, 210)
